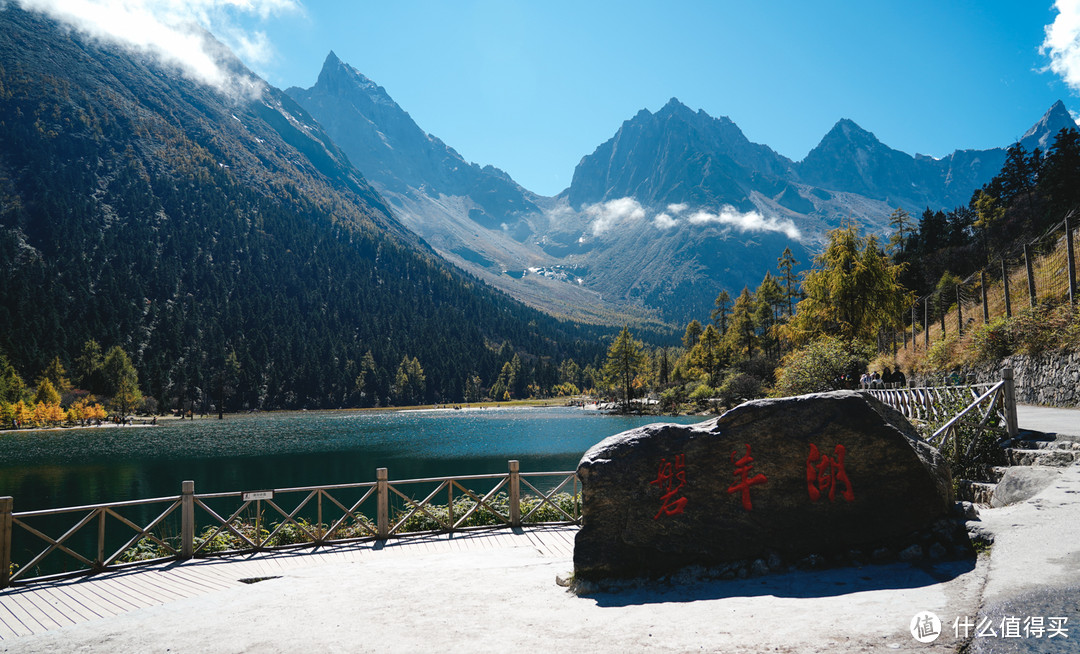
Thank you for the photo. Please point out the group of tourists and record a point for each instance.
(885, 379)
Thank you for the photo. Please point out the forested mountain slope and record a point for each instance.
(142, 209)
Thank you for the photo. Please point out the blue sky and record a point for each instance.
(531, 87)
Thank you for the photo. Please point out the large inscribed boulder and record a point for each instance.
(793, 477)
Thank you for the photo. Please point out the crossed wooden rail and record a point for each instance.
(996, 401)
(322, 515)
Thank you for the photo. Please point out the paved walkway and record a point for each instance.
(37, 608)
(1049, 419)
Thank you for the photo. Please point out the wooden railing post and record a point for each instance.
(1009, 392)
(99, 563)
(382, 502)
(6, 505)
(187, 520)
(515, 494)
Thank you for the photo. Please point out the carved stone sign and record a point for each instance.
(814, 474)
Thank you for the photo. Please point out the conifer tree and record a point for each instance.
(47, 393)
(708, 356)
(854, 291)
(56, 374)
(786, 264)
(720, 313)
(742, 333)
(88, 367)
(624, 360)
(693, 332)
(902, 225)
(12, 386)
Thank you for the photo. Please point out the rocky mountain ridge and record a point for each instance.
(676, 206)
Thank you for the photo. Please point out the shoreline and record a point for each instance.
(568, 402)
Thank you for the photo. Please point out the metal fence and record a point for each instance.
(99, 537)
(1044, 270)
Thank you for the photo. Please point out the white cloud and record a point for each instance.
(559, 215)
(605, 215)
(1062, 43)
(746, 222)
(676, 209)
(664, 221)
(173, 31)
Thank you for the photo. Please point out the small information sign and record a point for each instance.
(258, 495)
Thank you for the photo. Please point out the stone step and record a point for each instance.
(976, 492)
(1040, 457)
(995, 473)
(1062, 444)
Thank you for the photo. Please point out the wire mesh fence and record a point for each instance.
(1043, 271)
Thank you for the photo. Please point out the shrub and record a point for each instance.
(942, 353)
(826, 364)
(738, 387)
(670, 399)
(702, 393)
(977, 453)
(992, 341)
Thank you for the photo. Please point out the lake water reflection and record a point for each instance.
(49, 469)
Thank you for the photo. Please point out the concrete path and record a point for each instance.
(1034, 574)
(1048, 419)
(506, 599)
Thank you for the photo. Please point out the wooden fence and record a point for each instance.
(993, 402)
(234, 522)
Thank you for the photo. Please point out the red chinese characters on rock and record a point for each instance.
(825, 473)
(742, 471)
(666, 478)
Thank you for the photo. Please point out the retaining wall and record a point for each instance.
(1049, 379)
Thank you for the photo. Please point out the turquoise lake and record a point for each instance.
(50, 469)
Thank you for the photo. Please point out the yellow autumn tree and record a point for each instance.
(852, 293)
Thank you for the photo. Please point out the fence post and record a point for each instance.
(515, 493)
(99, 563)
(6, 504)
(1072, 259)
(187, 519)
(926, 322)
(959, 314)
(914, 319)
(1030, 275)
(382, 502)
(986, 309)
(1005, 285)
(1009, 388)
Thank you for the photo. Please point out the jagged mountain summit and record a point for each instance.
(1041, 135)
(676, 206)
(676, 156)
(143, 209)
(545, 250)
(852, 159)
(475, 216)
